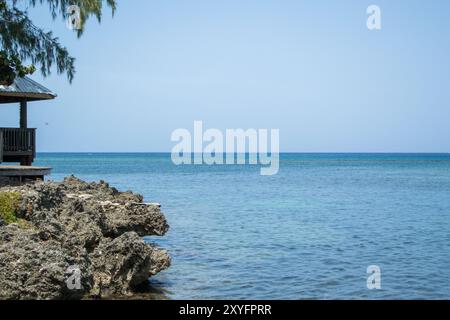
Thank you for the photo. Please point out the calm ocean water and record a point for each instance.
(309, 232)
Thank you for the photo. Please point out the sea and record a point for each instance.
(327, 226)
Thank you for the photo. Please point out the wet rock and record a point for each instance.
(125, 263)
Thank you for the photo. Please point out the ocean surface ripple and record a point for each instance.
(309, 232)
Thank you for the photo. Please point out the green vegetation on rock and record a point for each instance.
(9, 206)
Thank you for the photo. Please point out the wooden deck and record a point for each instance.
(23, 173)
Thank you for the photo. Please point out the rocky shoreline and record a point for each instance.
(77, 240)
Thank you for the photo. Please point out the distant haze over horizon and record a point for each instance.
(311, 69)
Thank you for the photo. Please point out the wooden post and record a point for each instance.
(25, 160)
(1, 146)
(23, 114)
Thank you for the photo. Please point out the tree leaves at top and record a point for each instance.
(21, 41)
(88, 8)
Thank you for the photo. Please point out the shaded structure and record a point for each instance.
(19, 144)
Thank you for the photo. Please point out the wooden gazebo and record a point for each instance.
(19, 144)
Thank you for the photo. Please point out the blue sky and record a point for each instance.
(309, 68)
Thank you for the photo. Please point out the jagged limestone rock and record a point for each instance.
(74, 225)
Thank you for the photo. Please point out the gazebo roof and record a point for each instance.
(24, 89)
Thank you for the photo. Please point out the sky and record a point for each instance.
(311, 69)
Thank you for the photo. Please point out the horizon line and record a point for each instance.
(282, 152)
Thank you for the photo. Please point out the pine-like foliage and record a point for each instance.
(23, 42)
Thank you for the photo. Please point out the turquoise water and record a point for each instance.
(309, 232)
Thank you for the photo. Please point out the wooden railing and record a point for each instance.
(18, 142)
